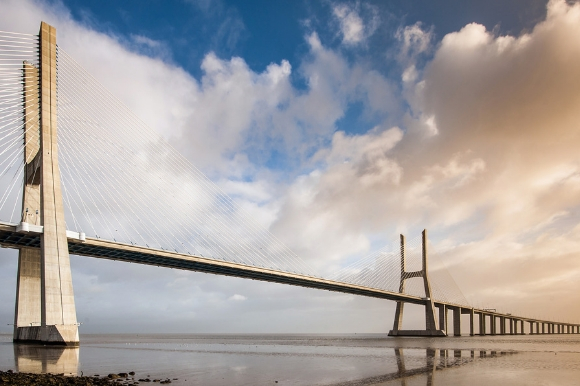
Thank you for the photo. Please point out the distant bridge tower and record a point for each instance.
(45, 308)
(430, 324)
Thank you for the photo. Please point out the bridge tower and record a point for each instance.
(430, 324)
(45, 308)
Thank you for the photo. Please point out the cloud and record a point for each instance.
(488, 152)
(351, 25)
(237, 298)
(415, 41)
(353, 28)
(150, 47)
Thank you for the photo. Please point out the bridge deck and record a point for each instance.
(11, 238)
(91, 247)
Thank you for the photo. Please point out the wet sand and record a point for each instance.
(310, 359)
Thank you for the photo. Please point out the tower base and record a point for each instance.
(439, 333)
(54, 335)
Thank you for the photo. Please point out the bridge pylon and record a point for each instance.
(430, 321)
(45, 308)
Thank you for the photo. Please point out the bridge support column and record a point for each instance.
(471, 316)
(492, 320)
(482, 329)
(522, 332)
(502, 325)
(398, 323)
(45, 310)
(430, 322)
(443, 317)
(456, 321)
(531, 328)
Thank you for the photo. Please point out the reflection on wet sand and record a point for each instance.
(434, 360)
(46, 359)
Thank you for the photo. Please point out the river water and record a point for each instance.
(352, 359)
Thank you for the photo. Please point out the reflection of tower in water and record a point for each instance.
(425, 368)
(46, 359)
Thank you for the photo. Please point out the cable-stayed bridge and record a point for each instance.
(105, 185)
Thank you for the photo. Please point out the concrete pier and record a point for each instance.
(471, 317)
(45, 309)
(456, 321)
(443, 317)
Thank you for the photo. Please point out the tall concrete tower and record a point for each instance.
(430, 323)
(45, 308)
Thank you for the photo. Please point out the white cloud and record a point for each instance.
(237, 298)
(414, 40)
(353, 28)
(351, 25)
(492, 156)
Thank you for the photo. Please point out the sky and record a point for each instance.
(339, 125)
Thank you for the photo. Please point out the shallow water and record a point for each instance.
(311, 359)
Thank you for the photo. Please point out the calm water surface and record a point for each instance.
(311, 359)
